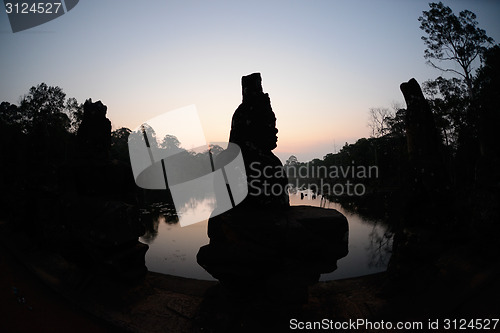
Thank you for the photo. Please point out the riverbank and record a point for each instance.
(62, 296)
(160, 303)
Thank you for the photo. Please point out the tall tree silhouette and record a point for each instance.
(119, 144)
(43, 109)
(453, 38)
(170, 142)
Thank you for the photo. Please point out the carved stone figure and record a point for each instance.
(422, 136)
(253, 129)
(428, 177)
(94, 133)
(263, 246)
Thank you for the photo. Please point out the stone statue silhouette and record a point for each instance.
(94, 133)
(253, 129)
(263, 248)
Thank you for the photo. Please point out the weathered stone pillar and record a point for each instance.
(428, 177)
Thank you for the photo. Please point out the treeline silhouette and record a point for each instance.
(38, 136)
(67, 183)
(466, 125)
(47, 154)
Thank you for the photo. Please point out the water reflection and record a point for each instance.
(370, 241)
(380, 247)
(153, 215)
(173, 248)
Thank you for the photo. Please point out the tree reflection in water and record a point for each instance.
(380, 246)
(153, 215)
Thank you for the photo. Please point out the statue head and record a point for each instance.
(94, 110)
(254, 122)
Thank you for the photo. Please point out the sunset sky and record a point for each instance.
(323, 63)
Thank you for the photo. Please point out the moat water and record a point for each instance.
(173, 249)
